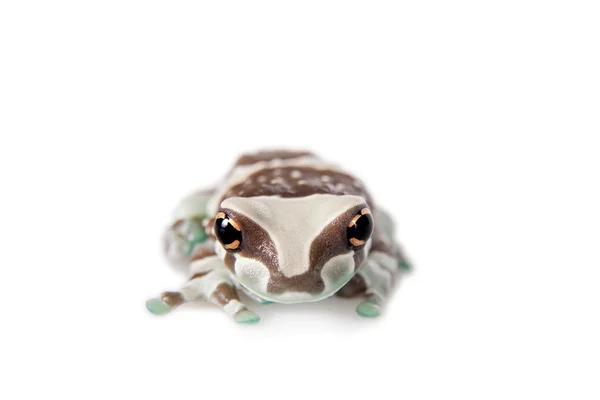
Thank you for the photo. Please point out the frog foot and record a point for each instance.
(158, 306)
(246, 316)
(369, 308)
(165, 303)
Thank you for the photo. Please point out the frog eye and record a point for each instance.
(360, 228)
(227, 231)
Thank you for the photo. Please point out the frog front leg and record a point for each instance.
(378, 273)
(376, 277)
(209, 280)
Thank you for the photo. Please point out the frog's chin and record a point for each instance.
(255, 278)
(296, 297)
(291, 297)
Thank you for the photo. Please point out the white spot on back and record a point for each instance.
(296, 174)
(240, 173)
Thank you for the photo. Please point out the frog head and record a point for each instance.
(295, 249)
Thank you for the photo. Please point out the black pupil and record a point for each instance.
(362, 228)
(225, 232)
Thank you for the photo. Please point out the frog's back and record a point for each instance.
(286, 174)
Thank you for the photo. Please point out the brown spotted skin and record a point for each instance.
(249, 159)
(298, 182)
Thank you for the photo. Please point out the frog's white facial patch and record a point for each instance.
(293, 249)
(337, 272)
(252, 274)
(293, 224)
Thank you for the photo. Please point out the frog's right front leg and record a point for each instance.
(209, 280)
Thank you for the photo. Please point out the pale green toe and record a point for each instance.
(158, 307)
(404, 265)
(246, 317)
(369, 309)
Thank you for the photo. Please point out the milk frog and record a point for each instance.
(285, 227)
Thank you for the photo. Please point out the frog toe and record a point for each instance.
(158, 307)
(369, 309)
(246, 317)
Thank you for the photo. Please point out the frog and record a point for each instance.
(282, 226)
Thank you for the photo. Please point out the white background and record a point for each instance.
(475, 123)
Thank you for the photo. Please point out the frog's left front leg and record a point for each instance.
(378, 274)
(210, 281)
(375, 279)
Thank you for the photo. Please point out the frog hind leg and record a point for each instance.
(210, 281)
(187, 229)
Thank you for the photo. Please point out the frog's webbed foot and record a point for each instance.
(165, 303)
(375, 280)
(209, 281)
(246, 317)
(369, 308)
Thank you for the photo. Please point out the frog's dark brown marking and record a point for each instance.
(355, 286)
(203, 252)
(229, 262)
(331, 242)
(223, 294)
(297, 182)
(249, 159)
(381, 246)
(177, 223)
(172, 298)
(209, 225)
(198, 275)
(256, 243)
(359, 257)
